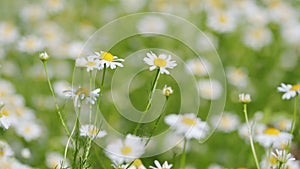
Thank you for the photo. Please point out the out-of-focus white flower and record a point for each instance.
(6, 88)
(54, 160)
(257, 37)
(151, 24)
(51, 33)
(31, 44)
(210, 89)
(12, 163)
(281, 12)
(237, 76)
(8, 33)
(75, 48)
(199, 66)
(108, 60)
(32, 13)
(126, 150)
(215, 166)
(92, 63)
(294, 164)
(188, 125)
(207, 42)
(244, 98)
(282, 156)
(222, 21)
(29, 130)
(5, 150)
(91, 131)
(162, 62)
(272, 137)
(54, 6)
(268, 161)
(167, 90)
(289, 90)
(291, 33)
(132, 5)
(137, 164)
(165, 165)
(60, 87)
(227, 122)
(283, 124)
(25, 153)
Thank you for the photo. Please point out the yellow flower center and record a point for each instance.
(93, 131)
(8, 29)
(225, 122)
(223, 18)
(107, 56)
(1, 153)
(137, 163)
(160, 62)
(82, 90)
(27, 129)
(271, 131)
(126, 150)
(90, 63)
(30, 43)
(20, 111)
(295, 87)
(188, 121)
(272, 160)
(257, 33)
(6, 166)
(4, 112)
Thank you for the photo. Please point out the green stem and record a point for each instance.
(154, 84)
(103, 77)
(156, 123)
(250, 137)
(55, 101)
(295, 114)
(183, 156)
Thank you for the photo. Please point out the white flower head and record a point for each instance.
(257, 37)
(151, 24)
(289, 90)
(8, 33)
(5, 121)
(167, 91)
(237, 76)
(227, 122)
(244, 98)
(91, 131)
(5, 150)
(282, 156)
(44, 56)
(55, 160)
(199, 66)
(109, 60)
(126, 150)
(162, 62)
(31, 44)
(210, 89)
(29, 130)
(188, 125)
(222, 21)
(272, 137)
(82, 93)
(165, 165)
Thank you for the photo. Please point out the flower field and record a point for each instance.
(158, 84)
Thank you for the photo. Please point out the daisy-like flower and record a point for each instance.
(188, 125)
(244, 98)
(159, 166)
(282, 156)
(8, 33)
(44, 56)
(4, 120)
(222, 21)
(28, 130)
(227, 122)
(257, 37)
(167, 91)
(162, 62)
(90, 62)
(237, 76)
(5, 150)
(136, 164)
(91, 131)
(199, 66)
(31, 44)
(81, 94)
(210, 89)
(109, 60)
(55, 160)
(289, 90)
(125, 150)
(272, 137)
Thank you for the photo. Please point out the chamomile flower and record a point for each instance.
(31, 44)
(136, 164)
(272, 137)
(289, 90)
(55, 160)
(81, 94)
(5, 150)
(32, 13)
(244, 98)
(188, 125)
(199, 66)
(222, 21)
(227, 122)
(283, 124)
(210, 89)
(92, 63)
(167, 91)
(162, 62)
(126, 150)
(268, 161)
(54, 6)
(91, 131)
(257, 37)
(8, 33)
(151, 24)
(109, 60)
(237, 76)
(293, 164)
(282, 156)
(165, 165)
(5, 121)
(29, 130)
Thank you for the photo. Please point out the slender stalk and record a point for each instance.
(154, 84)
(183, 156)
(55, 101)
(250, 137)
(156, 123)
(103, 76)
(295, 114)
